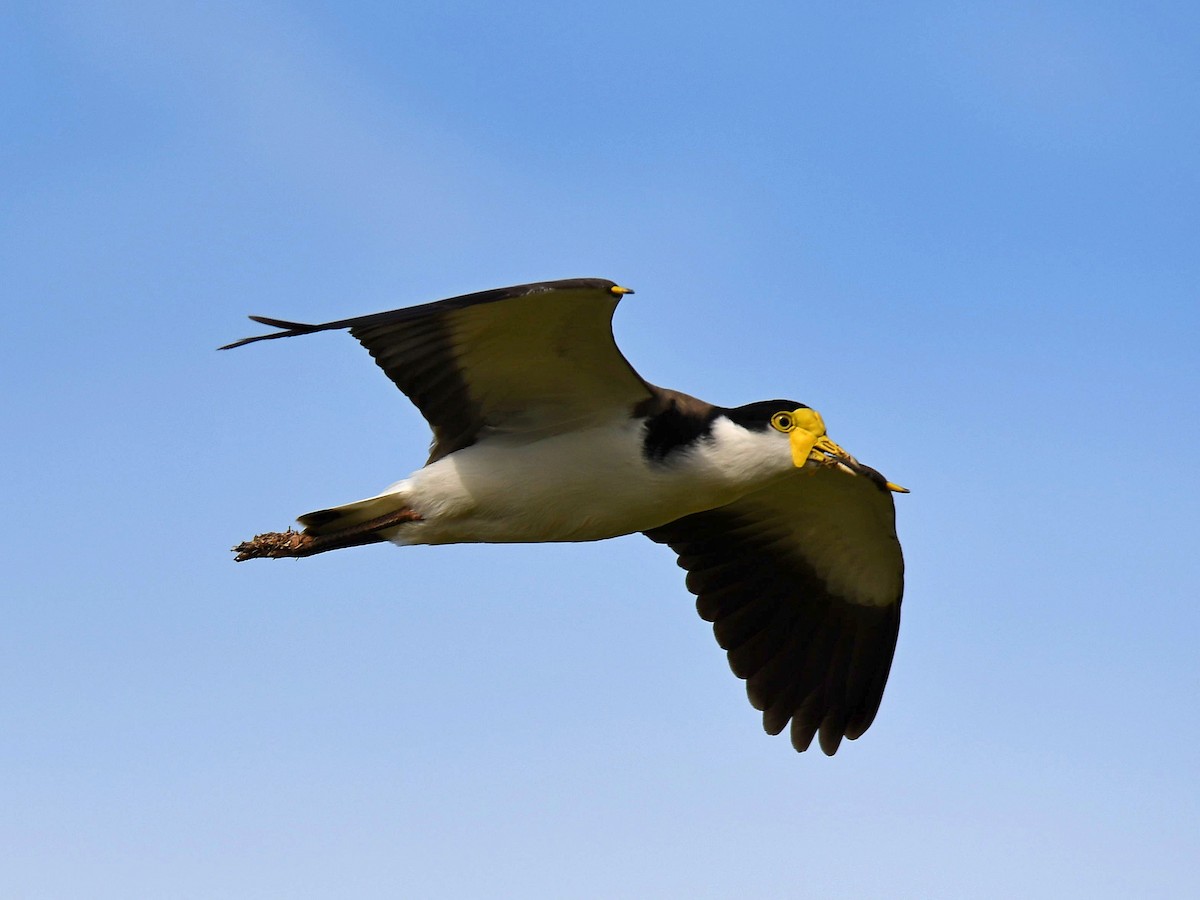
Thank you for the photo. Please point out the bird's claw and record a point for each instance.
(274, 545)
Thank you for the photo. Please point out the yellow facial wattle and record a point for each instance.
(806, 433)
(804, 428)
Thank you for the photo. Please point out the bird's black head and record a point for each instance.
(757, 416)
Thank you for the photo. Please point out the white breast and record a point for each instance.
(580, 486)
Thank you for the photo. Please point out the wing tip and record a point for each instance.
(287, 329)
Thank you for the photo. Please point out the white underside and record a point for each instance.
(580, 486)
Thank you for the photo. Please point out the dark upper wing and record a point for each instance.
(534, 358)
(802, 582)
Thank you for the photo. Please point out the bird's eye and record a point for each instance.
(782, 422)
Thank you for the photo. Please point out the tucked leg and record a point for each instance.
(295, 544)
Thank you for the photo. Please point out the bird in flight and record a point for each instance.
(543, 431)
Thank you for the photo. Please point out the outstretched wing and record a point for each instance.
(533, 358)
(802, 582)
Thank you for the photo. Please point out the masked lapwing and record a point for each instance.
(543, 431)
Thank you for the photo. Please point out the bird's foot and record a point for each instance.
(292, 544)
(276, 545)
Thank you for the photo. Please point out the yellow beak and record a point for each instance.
(809, 441)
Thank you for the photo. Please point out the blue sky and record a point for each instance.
(966, 234)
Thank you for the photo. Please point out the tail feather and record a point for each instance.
(339, 518)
